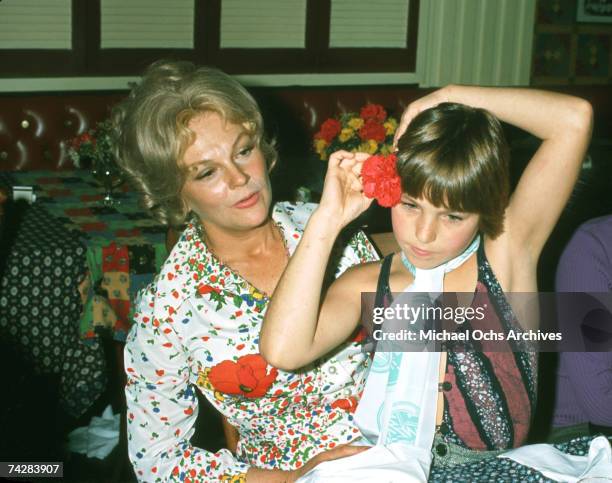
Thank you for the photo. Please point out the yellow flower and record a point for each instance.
(385, 149)
(370, 146)
(241, 478)
(355, 123)
(346, 134)
(255, 294)
(203, 380)
(320, 145)
(390, 126)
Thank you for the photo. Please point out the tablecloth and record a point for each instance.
(66, 241)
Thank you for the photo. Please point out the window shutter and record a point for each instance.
(364, 23)
(36, 24)
(146, 24)
(260, 24)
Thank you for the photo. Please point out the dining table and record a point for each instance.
(72, 267)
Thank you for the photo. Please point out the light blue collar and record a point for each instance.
(451, 264)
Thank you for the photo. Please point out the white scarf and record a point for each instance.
(411, 398)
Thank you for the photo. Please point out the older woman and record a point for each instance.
(191, 140)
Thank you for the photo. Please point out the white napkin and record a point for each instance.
(99, 438)
(558, 466)
(395, 462)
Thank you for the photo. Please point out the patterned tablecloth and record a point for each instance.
(73, 266)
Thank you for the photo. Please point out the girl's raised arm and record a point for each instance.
(562, 122)
(298, 328)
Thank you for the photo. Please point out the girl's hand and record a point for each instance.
(343, 199)
(418, 106)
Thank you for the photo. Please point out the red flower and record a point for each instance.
(329, 130)
(381, 181)
(348, 404)
(359, 335)
(247, 376)
(372, 129)
(82, 139)
(375, 112)
(203, 289)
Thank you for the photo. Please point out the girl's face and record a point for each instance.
(227, 183)
(430, 235)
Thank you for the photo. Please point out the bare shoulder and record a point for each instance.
(359, 278)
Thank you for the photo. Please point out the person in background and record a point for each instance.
(584, 379)
(192, 141)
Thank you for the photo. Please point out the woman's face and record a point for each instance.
(227, 182)
(430, 235)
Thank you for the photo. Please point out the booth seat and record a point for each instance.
(35, 128)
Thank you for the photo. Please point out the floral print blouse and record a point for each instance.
(197, 328)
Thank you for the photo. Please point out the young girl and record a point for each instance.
(458, 230)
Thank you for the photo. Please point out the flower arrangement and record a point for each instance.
(371, 131)
(93, 148)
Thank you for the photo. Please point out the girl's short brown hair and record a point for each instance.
(456, 156)
(152, 134)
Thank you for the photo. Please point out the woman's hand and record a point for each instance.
(343, 199)
(418, 106)
(341, 451)
(255, 475)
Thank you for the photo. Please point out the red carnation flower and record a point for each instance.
(371, 129)
(329, 130)
(247, 376)
(381, 181)
(375, 112)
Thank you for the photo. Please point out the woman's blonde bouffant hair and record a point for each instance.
(151, 133)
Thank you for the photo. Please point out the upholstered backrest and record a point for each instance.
(35, 128)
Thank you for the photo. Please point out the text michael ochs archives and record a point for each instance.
(409, 323)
